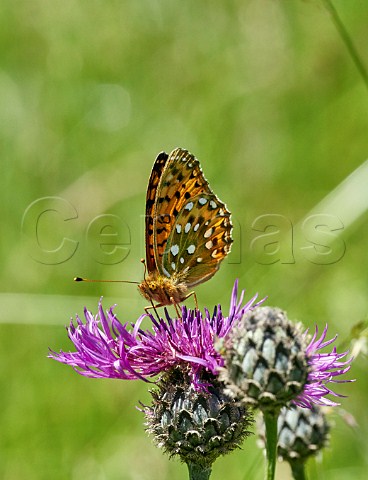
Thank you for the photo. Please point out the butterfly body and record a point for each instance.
(188, 229)
(163, 290)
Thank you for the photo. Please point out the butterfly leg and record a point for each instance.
(195, 298)
(178, 313)
(152, 306)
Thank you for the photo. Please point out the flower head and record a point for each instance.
(195, 425)
(106, 348)
(270, 363)
(324, 368)
(302, 433)
(265, 360)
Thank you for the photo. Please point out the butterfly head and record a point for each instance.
(163, 290)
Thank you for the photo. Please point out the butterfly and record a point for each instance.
(187, 229)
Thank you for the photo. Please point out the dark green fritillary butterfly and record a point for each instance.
(188, 229)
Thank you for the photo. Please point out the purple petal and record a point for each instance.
(324, 368)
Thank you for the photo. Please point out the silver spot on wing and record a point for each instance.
(174, 250)
(208, 233)
(191, 249)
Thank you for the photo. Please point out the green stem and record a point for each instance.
(270, 419)
(347, 40)
(198, 472)
(297, 467)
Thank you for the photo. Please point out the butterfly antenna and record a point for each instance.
(80, 279)
(145, 267)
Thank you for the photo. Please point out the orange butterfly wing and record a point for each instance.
(181, 179)
(200, 240)
(157, 169)
(183, 196)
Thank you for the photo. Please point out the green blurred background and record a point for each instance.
(265, 94)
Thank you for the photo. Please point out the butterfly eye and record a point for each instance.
(152, 286)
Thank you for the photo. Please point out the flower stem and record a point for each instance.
(270, 419)
(198, 472)
(347, 40)
(297, 467)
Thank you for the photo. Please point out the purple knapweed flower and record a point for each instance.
(324, 370)
(270, 362)
(106, 348)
